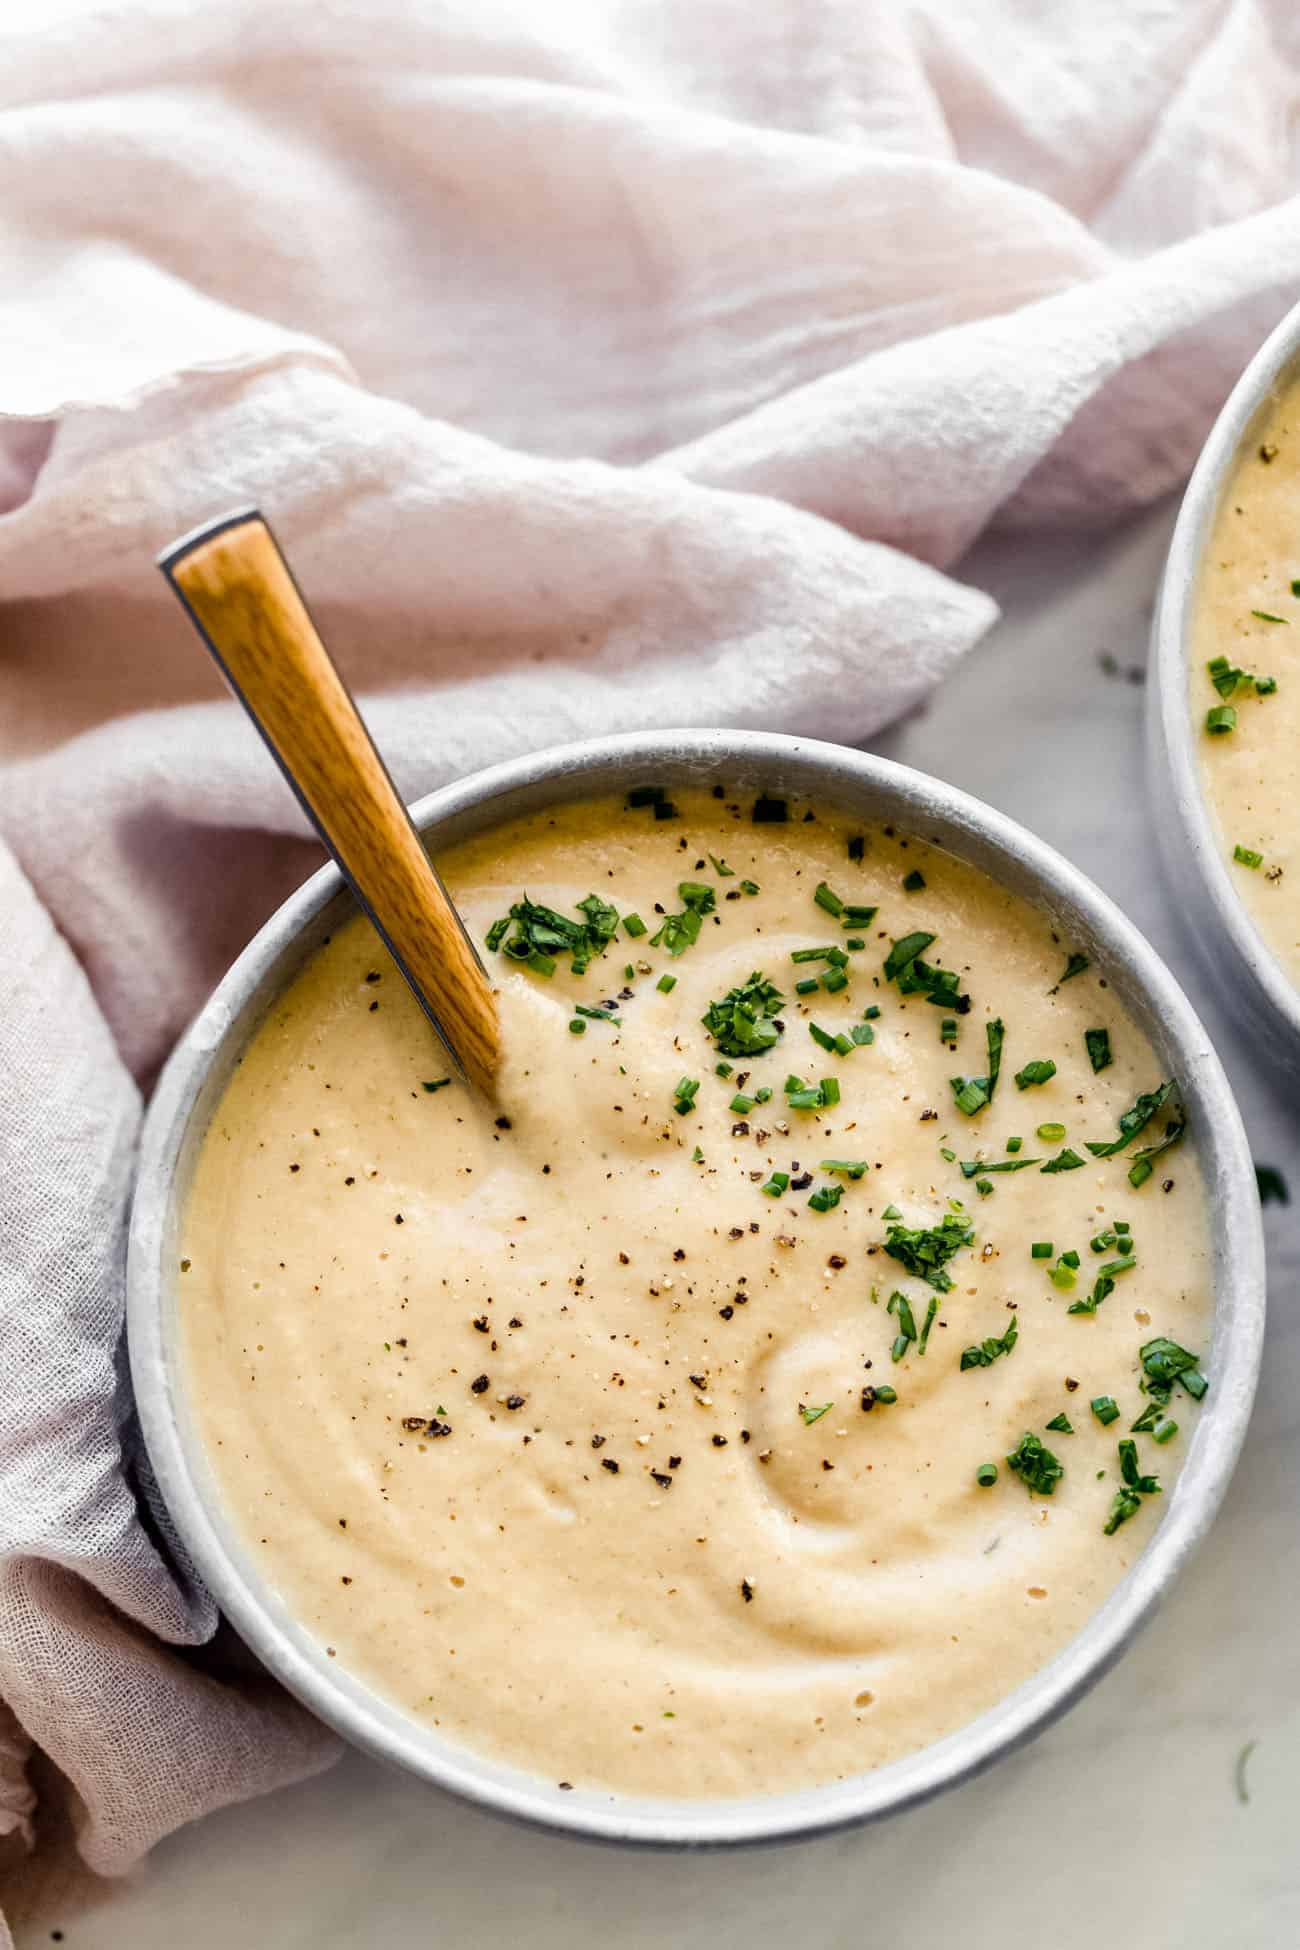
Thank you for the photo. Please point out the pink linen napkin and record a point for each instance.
(600, 366)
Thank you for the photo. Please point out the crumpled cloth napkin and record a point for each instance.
(640, 362)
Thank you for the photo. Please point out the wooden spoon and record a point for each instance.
(238, 589)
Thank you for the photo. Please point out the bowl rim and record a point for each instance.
(974, 831)
(1171, 666)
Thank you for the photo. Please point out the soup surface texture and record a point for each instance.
(630, 1428)
(1245, 680)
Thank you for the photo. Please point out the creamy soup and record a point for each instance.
(747, 1395)
(1245, 680)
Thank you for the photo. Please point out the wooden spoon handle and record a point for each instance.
(237, 587)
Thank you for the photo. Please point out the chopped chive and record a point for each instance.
(541, 964)
(927, 1324)
(439, 1083)
(887, 1395)
(1060, 1424)
(1143, 1161)
(971, 1167)
(822, 1037)
(1164, 1431)
(913, 882)
(984, 1353)
(1266, 616)
(684, 1095)
(808, 986)
(749, 886)
(1074, 966)
(764, 1095)
(830, 1091)
(812, 954)
(948, 1030)
(723, 1069)
(497, 933)
(949, 1156)
(834, 979)
(1062, 1276)
(1246, 856)
(776, 1184)
(1221, 719)
(858, 915)
(855, 941)
(577, 1027)
(811, 1415)
(871, 1012)
(1066, 1160)
(1051, 1133)
(844, 1045)
(720, 867)
(666, 984)
(697, 1156)
(1265, 686)
(1105, 1284)
(1041, 1249)
(986, 1475)
(1106, 1409)
(634, 925)
(1102, 1242)
(742, 1104)
(1015, 1144)
(826, 898)
(629, 973)
(596, 1015)
(851, 1167)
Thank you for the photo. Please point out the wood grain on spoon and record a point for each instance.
(237, 586)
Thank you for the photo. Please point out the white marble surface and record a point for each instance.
(1121, 1823)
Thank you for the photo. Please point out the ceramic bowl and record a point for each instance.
(1242, 965)
(879, 791)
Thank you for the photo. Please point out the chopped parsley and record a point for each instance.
(1144, 1160)
(1106, 1409)
(742, 1024)
(984, 1353)
(971, 1166)
(720, 867)
(972, 1093)
(540, 933)
(1128, 1498)
(1097, 1043)
(1164, 1362)
(926, 1250)
(1066, 1160)
(1060, 1424)
(1074, 966)
(1105, 1284)
(904, 966)
(779, 1182)
(1036, 1466)
(1041, 1070)
(1135, 1119)
(811, 1415)
(913, 882)
(825, 1197)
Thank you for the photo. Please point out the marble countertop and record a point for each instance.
(1127, 1819)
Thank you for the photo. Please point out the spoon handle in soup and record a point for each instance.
(239, 591)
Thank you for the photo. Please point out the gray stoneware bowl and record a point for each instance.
(878, 790)
(1240, 961)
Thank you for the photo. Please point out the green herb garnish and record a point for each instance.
(1106, 1409)
(926, 1250)
(1267, 616)
(1135, 1119)
(986, 1475)
(742, 1024)
(811, 1415)
(1035, 1465)
(984, 1353)
(1074, 966)
(849, 1167)
(1246, 856)
(779, 1182)
(913, 882)
(1221, 719)
(825, 1197)
(1268, 1179)
(720, 867)
(439, 1083)
(541, 934)
(1164, 1362)
(825, 898)
(1060, 1424)
(1066, 1160)
(684, 1095)
(1105, 1284)
(1144, 1160)
(972, 1093)
(901, 1308)
(1041, 1070)
(1097, 1043)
